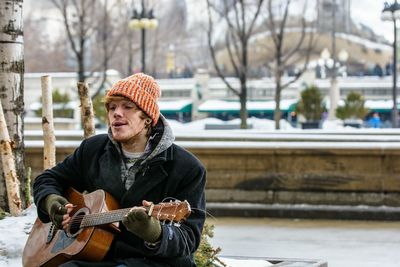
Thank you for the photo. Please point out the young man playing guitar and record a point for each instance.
(138, 164)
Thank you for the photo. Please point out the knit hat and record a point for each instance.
(142, 90)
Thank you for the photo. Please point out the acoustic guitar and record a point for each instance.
(94, 222)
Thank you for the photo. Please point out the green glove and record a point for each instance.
(55, 207)
(147, 228)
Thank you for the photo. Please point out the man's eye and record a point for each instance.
(130, 107)
(111, 108)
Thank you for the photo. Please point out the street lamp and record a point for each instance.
(143, 20)
(331, 67)
(334, 93)
(391, 12)
(326, 63)
(343, 57)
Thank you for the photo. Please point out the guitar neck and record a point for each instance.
(90, 220)
(171, 211)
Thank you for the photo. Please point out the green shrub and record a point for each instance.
(2, 214)
(310, 104)
(98, 108)
(206, 255)
(353, 107)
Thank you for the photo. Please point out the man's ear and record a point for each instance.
(147, 122)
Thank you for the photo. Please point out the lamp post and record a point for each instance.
(143, 20)
(330, 67)
(333, 67)
(391, 12)
(334, 93)
(343, 57)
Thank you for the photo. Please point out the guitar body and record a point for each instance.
(48, 247)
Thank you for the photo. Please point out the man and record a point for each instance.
(137, 163)
(375, 121)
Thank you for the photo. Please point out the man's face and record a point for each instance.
(126, 120)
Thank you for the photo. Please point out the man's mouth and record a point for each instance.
(118, 124)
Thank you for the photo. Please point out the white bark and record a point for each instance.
(87, 114)
(11, 83)
(10, 174)
(49, 151)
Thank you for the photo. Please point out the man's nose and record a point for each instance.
(117, 111)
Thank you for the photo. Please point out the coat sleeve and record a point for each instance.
(183, 240)
(57, 179)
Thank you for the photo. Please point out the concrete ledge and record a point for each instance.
(305, 211)
(304, 197)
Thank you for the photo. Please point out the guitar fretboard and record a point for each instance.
(95, 219)
(171, 211)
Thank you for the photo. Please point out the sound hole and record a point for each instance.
(74, 227)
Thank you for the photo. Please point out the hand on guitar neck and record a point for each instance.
(140, 223)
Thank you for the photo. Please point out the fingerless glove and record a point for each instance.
(54, 205)
(139, 223)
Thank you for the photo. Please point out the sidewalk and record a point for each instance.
(339, 243)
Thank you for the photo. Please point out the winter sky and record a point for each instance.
(369, 12)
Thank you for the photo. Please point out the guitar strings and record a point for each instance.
(78, 219)
(206, 212)
(184, 237)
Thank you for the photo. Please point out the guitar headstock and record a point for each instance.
(174, 211)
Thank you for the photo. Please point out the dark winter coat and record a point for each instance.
(173, 173)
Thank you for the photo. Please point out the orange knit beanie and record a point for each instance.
(143, 90)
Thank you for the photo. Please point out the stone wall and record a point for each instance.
(303, 176)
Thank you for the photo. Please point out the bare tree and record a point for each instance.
(79, 28)
(286, 52)
(87, 24)
(108, 41)
(109, 38)
(11, 83)
(240, 17)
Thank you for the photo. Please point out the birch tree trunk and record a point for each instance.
(86, 110)
(49, 151)
(11, 83)
(8, 164)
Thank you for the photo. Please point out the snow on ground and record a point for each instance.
(14, 233)
(255, 123)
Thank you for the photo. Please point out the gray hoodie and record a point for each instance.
(128, 174)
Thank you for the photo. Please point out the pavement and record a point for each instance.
(339, 243)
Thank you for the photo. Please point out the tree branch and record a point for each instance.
(212, 51)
